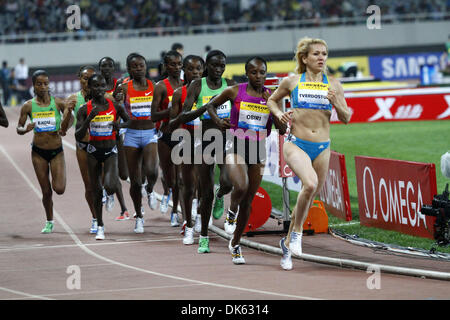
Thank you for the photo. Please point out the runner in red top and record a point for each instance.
(193, 69)
(160, 114)
(99, 117)
(141, 137)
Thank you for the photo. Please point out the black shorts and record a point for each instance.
(47, 154)
(167, 139)
(252, 152)
(82, 145)
(101, 154)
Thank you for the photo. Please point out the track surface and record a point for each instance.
(156, 265)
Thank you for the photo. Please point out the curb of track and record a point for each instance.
(343, 263)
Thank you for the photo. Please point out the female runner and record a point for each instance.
(307, 149)
(47, 152)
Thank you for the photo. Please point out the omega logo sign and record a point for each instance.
(393, 201)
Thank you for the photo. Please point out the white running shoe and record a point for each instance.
(94, 226)
(236, 254)
(109, 205)
(286, 260)
(100, 233)
(139, 227)
(188, 238)
(174, 220)
(295, 244)
(105, 195)
(152, 201)
(164, 205)
(230, 222)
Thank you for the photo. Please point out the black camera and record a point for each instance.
(440, 208)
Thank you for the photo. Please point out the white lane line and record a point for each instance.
(110, 291)
(28, 295)
(69, 145)
(83, 247)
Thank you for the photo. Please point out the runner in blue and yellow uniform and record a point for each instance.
(307, 149)
(47, 152)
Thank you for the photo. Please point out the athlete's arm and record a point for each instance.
(336, 98)
(159, 96)
(192, 95)
(123, 115)
(83, 122)
(174, 113)
(273, 103)
(25, 111)
(3, 119)
(67, 115)
(229, 94)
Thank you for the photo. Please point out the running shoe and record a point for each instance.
(174, 220)
(164, 205)
(230, 222)
(152, 201)
(94, 226)
(218, 205)
(286, 260)
(236, 253)
(48, 227)
(123, 216)
(203, 245)
(139, 227)
(109, 205)
(295, 244)
(100, 233)
(188, 238)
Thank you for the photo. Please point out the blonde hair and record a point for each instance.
(303, 47)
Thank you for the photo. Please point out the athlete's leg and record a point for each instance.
(88, 192)
(253, 181)
(41, 168)
(95, 170)
(134, 162)
(58, 172)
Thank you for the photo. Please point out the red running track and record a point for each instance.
(156, 265)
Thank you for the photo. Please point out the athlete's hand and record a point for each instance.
(62, 133)
(224, 124)
(286, 117)
(30, 126)
(331, 96)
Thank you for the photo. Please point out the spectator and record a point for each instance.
(21, 75)
(5, 75)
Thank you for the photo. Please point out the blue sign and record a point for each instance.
(401, 66)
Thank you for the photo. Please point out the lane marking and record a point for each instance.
(83, 247)
(28, 295)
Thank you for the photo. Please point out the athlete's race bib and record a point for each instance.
(223, 111)
(196, 121)
(253, 116)
(101, 126)
(44, 121)
(141, 106)
(313, 95)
